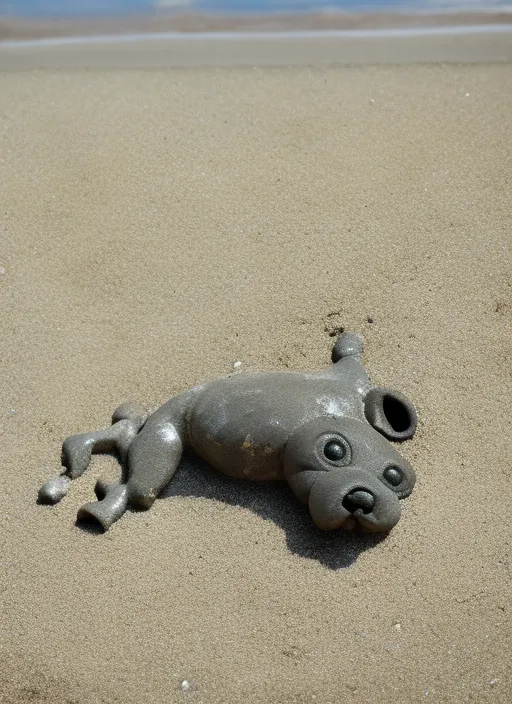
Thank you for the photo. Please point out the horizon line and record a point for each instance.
(457, 30)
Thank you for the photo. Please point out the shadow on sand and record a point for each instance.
(275, 502)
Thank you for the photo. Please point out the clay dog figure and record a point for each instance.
(324, 433)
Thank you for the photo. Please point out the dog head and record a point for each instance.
(348, 473)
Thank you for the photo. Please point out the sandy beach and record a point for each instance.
(156, 227)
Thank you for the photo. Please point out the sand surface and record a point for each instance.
(158, 226)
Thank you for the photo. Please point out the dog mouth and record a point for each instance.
(357, 502)
(367, 513)
(350, 524)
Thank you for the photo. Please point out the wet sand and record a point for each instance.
(157, 226)
(489, 44)
(178, 21)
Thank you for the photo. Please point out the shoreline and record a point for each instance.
(15, 29)
(466, 45)
(384, 33)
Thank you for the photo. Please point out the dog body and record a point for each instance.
(325, 433)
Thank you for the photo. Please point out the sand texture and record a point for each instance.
(155, 228)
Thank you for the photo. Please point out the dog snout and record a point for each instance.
(348, 495)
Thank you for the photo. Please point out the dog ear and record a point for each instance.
(391, 413)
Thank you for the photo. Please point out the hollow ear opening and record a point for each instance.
(391, 413)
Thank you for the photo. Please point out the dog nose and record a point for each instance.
(359, 499)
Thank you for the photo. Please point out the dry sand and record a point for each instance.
(158, 226)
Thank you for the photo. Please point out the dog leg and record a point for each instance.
(153, 457)
(77, 450)
(347, 345)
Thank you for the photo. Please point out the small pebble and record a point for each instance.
(369, 319)
(390, 647)
(397, 626)
(185, 685)
(11, 411)
(467, 95)
(237, 365)
(493, 683)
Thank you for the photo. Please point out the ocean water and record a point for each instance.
(87, 8)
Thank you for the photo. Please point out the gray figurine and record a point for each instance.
(324, 433)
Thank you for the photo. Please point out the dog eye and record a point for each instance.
(393, 475)
(335, 450)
